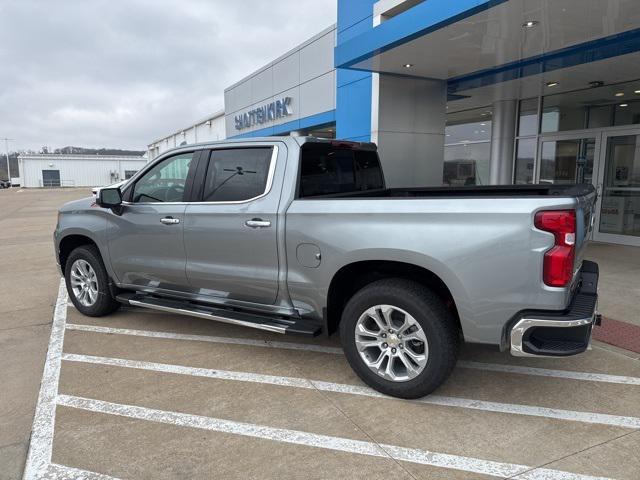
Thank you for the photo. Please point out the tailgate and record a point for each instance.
(585, 218)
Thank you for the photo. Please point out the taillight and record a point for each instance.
(558, 262)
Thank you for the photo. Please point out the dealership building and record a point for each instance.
(467, 92)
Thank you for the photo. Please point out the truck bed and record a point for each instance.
(497, 191)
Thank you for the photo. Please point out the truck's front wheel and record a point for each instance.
(88, 282)
(399, 338)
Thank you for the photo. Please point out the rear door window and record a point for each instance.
(329, 170)
(237, 174)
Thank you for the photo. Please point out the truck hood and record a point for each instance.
(76, 205)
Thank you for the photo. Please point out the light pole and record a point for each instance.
(6, 148)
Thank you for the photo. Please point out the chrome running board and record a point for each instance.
(276, 324)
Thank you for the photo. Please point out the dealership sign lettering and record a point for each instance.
(265, 113)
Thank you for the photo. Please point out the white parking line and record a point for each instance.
(542, 372)
(296, 437)
(205, 338)
(62, 472)
(39, 456)
(507, 408)
(38, 465)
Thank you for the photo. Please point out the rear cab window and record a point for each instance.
(334, 168)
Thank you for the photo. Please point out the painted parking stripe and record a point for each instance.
(205, 338)
(40, 447)
(542, 372)
(496, 407)
(297, 437)
(62, 472)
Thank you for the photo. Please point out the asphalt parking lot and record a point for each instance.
(143, 394)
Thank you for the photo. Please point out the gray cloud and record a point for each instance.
(116, 73)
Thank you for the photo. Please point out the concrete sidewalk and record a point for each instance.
(619, 281)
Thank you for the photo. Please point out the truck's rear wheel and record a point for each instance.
(88, 282)
(399, 338)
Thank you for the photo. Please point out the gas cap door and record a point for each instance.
(308, 255)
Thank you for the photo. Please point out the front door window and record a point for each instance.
(165, 182)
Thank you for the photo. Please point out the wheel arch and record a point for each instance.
(356, 275)
(69, 243)
(77, 238)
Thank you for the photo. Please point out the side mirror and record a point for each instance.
(110, 198)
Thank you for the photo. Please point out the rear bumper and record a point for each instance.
(559, 334)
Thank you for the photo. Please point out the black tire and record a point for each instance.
(105, 303)
(429, 311)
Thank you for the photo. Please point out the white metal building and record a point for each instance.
(208, 129)
(68, 170)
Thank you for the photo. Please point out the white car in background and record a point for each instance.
(95, 190)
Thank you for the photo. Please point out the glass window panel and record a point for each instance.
(567, 161)
(592, 108)
(327, 170)
(237, 174)
(600, 117)
(468, 126)
(468, 132)
(525, 161)
(467, 164)
(627, 115)
(557, 118)
(165, 182)
(528, 124)
(620, 212)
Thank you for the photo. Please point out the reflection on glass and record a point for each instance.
(567, 161)
(600, 107)
(627, 115)
(528, 123)
(469, 132)
(467, 148)
(466, 164)
(620, 211)
(525, 161)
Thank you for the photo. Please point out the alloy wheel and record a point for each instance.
(84, 282)
(391, 343)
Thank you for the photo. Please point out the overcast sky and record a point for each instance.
(119, 74)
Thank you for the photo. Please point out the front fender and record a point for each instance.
(90, 223)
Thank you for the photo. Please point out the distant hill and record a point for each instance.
(98, 151)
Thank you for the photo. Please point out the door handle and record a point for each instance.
(257, 223)
(169, 220)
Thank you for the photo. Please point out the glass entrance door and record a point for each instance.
(566, 160)
(619, 188)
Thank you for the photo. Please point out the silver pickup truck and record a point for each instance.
(299, 235)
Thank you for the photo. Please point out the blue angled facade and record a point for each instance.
(353, 96)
